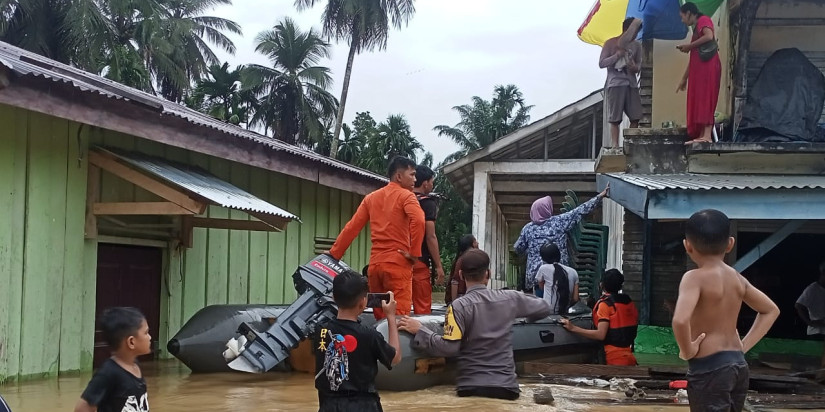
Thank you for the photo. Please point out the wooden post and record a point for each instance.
(745, 13)
(647, 264)
(186, 231)
(92, 196)
(4, 78)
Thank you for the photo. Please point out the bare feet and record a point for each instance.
(697, 140)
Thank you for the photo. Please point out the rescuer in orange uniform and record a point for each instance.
(616, 320)
(397, 233)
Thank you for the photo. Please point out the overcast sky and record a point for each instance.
(451, 50)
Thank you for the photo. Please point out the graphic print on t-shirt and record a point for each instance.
(135, 405)
(336, 347)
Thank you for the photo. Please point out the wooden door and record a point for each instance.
(128, 276)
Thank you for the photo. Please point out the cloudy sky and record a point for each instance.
(451, 50)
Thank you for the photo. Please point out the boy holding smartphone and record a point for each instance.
(347, 353)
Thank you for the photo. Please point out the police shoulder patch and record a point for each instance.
(451, 329)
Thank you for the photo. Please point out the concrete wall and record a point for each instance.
(47, 310)
(669, 65)
(806, 38)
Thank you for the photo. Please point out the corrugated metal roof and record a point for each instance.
(25, 63)
(690, 181)
(201, 183)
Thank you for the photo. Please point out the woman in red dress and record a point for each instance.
(702, 77)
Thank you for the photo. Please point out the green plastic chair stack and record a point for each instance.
(587, 244)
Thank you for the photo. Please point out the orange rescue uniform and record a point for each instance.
(396, 223)
(623, 319)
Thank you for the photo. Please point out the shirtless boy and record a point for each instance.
(704, 321)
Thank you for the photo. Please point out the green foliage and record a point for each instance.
(482, 122)
(372, 144)
(158, 46)
(454, 219)
(293, 99)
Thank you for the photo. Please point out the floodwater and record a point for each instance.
(173, 388)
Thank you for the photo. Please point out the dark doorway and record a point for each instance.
(128, 276)
(783, 273)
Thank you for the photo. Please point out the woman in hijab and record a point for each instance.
(544, 228)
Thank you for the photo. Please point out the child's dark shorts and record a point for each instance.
(352, 402)
(718, 382)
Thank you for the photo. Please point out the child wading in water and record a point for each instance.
(347, 353)
(119, 385)
(704, 321)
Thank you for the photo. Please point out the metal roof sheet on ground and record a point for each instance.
(691, 181)
(25, 63)
(201, 183)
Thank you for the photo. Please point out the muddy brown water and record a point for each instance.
(173, 388)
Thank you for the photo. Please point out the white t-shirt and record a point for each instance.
(813, 298)
(545, 274)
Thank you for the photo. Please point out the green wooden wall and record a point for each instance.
(47, 309)
(46, 267)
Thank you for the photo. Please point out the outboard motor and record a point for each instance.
(259, 351)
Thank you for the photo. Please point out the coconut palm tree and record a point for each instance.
(484, 122)
(190, 34)
(395, 138)
(221, 93)
(390, 138)
(294, 96)
(148, 44)
(365, 26)
(351, 145)
(64, 31)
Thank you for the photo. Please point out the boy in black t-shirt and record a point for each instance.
(346, 352)
(118, 385)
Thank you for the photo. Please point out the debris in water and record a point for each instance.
(622, 384)
(635, 393)
(601, 383)
(544, 396)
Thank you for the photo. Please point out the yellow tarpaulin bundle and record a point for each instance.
(603, 22)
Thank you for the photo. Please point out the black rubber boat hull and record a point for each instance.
(202, 339)
(545, 339)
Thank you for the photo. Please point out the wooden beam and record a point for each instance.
(542, 188)
(586, 370)
(140, 208)
(769, 243)
(109, 164)
(187, 238)
(789, 22)
(233, 224)
(92, 196)
(274, 221)
(538, 167)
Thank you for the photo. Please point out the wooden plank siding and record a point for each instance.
(48, 269)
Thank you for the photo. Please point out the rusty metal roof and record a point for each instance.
(25, 63)
(692, 181)
(201, 183)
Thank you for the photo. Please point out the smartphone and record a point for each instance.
(374, 299)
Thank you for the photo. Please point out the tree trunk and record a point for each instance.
(339, 120)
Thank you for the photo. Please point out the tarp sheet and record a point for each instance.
(660, 340)
(786, 101)
(660, 19)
